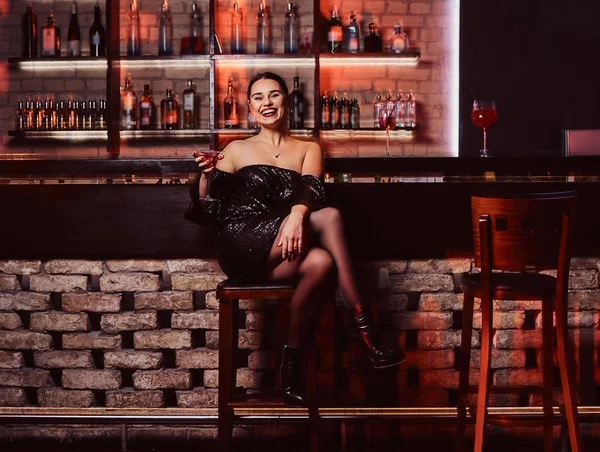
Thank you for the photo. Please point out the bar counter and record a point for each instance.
(397, 208)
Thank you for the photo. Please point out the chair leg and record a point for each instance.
(313, 402)
(465, 365)
(567, 376)
(228, 313)
(484, 371)
(548, 340)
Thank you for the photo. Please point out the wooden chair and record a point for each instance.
(523, 234)
(228, 294)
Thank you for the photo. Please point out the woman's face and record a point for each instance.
(267, 102)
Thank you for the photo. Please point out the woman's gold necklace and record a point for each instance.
(281, 148)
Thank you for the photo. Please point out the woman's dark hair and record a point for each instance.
(268, 76)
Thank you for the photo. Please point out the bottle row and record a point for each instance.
(64, 114)
(51, 36)
(340, 39)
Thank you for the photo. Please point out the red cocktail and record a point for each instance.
(483, 115)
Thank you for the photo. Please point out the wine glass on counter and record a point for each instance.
(387, 120)
(484, 115)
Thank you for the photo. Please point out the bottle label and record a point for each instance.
(335, 33)
(353, 45)
(74, 47)
(48, 41)
(96, 39)
(188, 102)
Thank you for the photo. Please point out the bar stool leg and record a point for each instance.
(228, 314)
(313, 404)
(465, 366)
(484, 372)
(548, 341)
(567, 375)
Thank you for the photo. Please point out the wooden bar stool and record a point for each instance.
(228, 294)
(523, 234)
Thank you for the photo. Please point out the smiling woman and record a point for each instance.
(267, 198)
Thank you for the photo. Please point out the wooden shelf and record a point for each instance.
(60, 135)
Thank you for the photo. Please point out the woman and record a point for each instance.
(268, 198)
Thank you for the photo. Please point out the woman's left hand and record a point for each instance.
(291, 237)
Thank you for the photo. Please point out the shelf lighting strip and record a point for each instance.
(74, 135)
(170, 63)
(61, 65)
(259, 62)
(195, 133)
(370, 61)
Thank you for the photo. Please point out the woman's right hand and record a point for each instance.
(207, 160)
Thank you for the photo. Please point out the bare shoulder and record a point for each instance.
(231, 154)
(313, 159)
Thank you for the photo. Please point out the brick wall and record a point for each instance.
(145, 333)
(429, 24)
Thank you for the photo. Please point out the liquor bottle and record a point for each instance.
(29, 32)
(165, 30)
(290, 30)
(335, 32)
(354, 114)
(133, 31)
(168, 111)
(353, 35)
(101, 115)
(230, 108)
(325, 111)
(373, 42)
(237, 40)
(48, 107)
(21, 123)
(92, 112)
(83, 115)
(77, 114)
(70, 115)
(410, 117)
(252, 124)
(334, 107)
(61, 117)
(50, 37)
(147, 110)
(263, 35)
(192, 44)
(128, 106)
(28, 113)
(296, 106)
(399, 110)
(97, 35)
(190, 107)
(398, 43)
(377, 106)
(344, 112)
(74, 34)
(38, 113)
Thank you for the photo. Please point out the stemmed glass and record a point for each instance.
(387, 121)
(483, 115)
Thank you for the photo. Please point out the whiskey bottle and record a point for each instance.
(61, 116)
(77, 115)
(92, 112)
(296, 107)
(344, 112)
(128, 106)
(290, 30)
(190, 107)
(133, 31)
(353, 35)
(165, 30)
(373, 42)
(29, 32)
(335, 32)
(192, 44)
(50, 37)
(74, 34)
(147, 110)
(334, 107)
(325, 111)
(398, 43)
(168, 110)
(38, 115)
(97, 35)
(21, 121)
(237, 42)
(354, 114)
(263, 36)
(230, 108)
(101, 123)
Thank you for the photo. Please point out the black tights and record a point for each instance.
(326, 251)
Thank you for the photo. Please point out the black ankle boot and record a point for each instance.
(381, 356)
(291, 377)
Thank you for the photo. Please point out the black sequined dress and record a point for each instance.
(248, 207)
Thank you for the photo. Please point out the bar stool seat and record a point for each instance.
(228, 294)
(519, 235)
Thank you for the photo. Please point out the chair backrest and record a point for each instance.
(526, 232)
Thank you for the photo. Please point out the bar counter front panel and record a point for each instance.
(386, 217)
